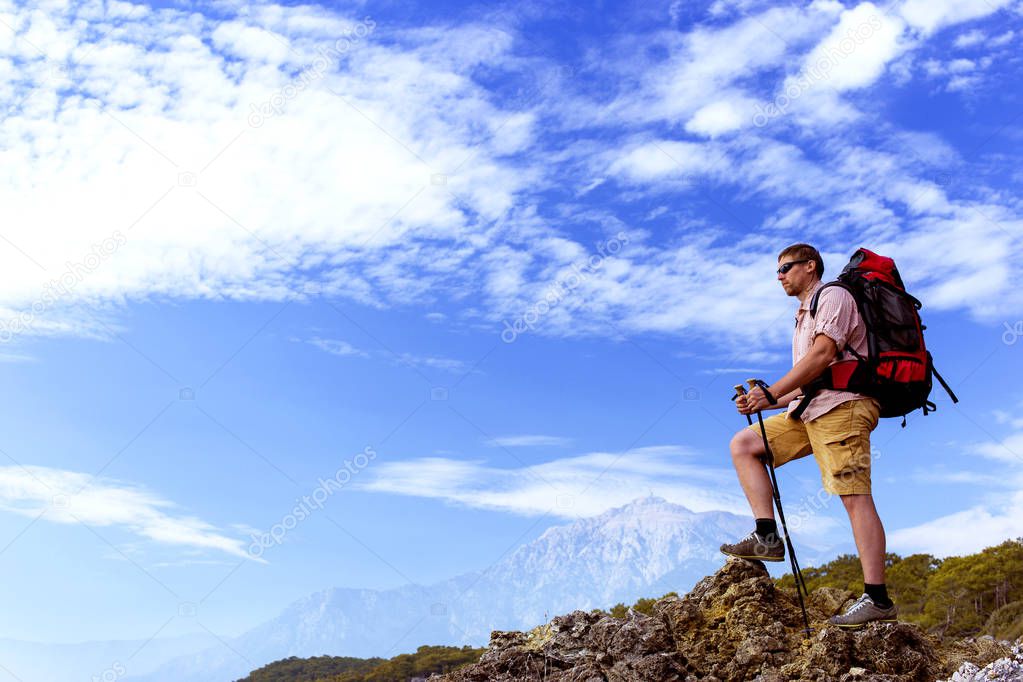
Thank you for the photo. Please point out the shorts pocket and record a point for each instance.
(847, 455)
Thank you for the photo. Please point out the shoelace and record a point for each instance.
(860, 603)
(757, 539)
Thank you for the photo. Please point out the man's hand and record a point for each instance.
(743, 404)
(756, 401)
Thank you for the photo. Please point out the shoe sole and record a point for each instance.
(761, 558)
(857, 626)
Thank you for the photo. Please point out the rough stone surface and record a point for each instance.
(733, 625)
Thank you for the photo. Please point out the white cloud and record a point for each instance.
(969, 39)
(413, 193)
(434, 362)
(199, 166)
(343, 348)
(929, 15)
(663, 159)
(855, 53)
(572, 487)
(1002, 39)
(964, 532)
(529, 441)
(72, 497)
(997, 518)
(703, 63)
(337, 347)
(722, 116)
(755, 371)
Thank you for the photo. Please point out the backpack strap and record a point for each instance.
(825, 380)
(816, 296)
(943, 384)
(811, 389)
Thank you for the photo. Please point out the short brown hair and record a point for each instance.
(804, 252)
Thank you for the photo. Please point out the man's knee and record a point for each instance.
(746, 444)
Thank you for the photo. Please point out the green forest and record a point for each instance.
(425, 661)
(955, 597)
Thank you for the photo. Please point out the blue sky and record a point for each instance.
(249, 246)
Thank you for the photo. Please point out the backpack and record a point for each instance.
(898, 368)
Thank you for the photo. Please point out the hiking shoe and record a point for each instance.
(864, 611)
(754, 546)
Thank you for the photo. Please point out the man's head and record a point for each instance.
(799, 266)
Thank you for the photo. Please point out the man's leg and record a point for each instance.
(869, 535)
(842, 446)
(788, 441)
(747, 447)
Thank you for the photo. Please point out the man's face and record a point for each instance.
(798, 276)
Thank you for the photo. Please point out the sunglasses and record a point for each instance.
(788, 266)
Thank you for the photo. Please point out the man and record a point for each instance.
(835, 427)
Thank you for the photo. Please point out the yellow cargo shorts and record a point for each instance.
(839, 440)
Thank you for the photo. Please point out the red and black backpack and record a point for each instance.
(898, 368)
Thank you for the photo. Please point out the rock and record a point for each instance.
(733, 625)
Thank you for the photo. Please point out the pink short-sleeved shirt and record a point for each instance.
(839, 319)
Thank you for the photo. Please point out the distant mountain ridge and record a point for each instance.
(649, 546)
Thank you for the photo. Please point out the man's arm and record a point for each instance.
(822, 352)
(783, 401)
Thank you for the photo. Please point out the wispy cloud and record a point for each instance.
(434, 362)
(529, 441)
(170, 124)
(54, 493)
(439, 204)
(733, 370)
(999, 515)
(337, 347)
(579, 486)
(343, 348)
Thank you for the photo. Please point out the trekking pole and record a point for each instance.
(769, 461)
(739, 391)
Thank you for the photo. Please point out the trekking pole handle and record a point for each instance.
(762, 385)
(740, 390)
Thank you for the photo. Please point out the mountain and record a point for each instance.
(649, 546)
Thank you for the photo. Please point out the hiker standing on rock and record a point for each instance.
(835, 426)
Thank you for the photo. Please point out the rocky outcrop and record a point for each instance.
(733, 625)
